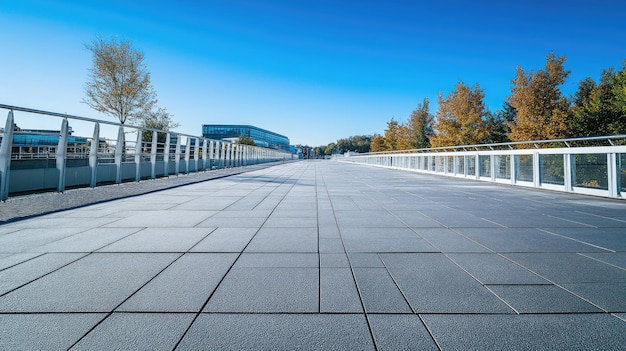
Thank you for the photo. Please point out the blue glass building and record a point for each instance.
(261, 137)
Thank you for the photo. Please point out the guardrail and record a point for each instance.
(559, 165)
(40, 160)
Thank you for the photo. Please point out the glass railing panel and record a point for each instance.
(524, 168)
(503, 166)
(450, 166)
(471, 165)
(485, 165)
(460, 165)
(440, 164)
(590, 171)
(551, 169)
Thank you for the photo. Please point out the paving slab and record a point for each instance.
(542, 299)
(421, 279)
(528, 332)
(278, 332)
(400, 332)
(47, 331)
(32, 269)
(257, 290)
(159, 240)
(136, 331)
(95, 283)
(184, 286)
(338, 293)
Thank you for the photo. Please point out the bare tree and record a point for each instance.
(119, 83)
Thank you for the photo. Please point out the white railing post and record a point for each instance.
(536, 170)
(187, 155)
(513, 166)
(613, 174)
(5, 157)
(138, 150)
(196, 153)
(569, 170)
(61, 155)
(166, 154)
(119, 153)
(153, 154)
(204, 155)
(177, 155)
(93, 155)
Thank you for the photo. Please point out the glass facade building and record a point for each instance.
(261, 137)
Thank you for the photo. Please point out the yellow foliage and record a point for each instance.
(460, 118)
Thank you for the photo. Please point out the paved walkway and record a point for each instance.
(319, 255)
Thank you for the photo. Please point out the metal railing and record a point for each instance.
(57, 160)
(597, 166)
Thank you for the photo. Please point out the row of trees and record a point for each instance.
(536, 110)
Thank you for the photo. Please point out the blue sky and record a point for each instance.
(314, 71)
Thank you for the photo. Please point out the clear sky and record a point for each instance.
(313, 70)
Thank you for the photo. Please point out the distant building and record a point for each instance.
(39, 143)
(232, 132)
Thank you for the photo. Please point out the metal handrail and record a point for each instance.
(535, 143)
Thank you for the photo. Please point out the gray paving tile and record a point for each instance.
(367, 219)
(267, 290)
(416, 219)
(27, 271)
(588, 219)
(528, 332)
(541, 299)
(400, 332)
(288, 222)
(609, 238)
(278, 260)
(414, 244)
(447, 240)
(419, 276)
(329, 232)
(278, 332)
(569, 267)
(44, 331)
(87, 241)
(379, 292)
(334, 245)
(27, 239)
(495, 269)
(338, 293)
(615, 258)
(159, 240)
(226, 240)
(364, 259)
(284, 240)
(524, 240)
(62, 222)
(226, 222)
(331, 260)
(137, 331)
(457, 219)
(8, 260)
(184, 286)
(257, 213)
(609, 296)
(162, 219)
(99, 282)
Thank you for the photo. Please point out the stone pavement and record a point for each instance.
(319, 255)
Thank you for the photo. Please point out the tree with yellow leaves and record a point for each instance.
(542, 110)
(460, 119)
